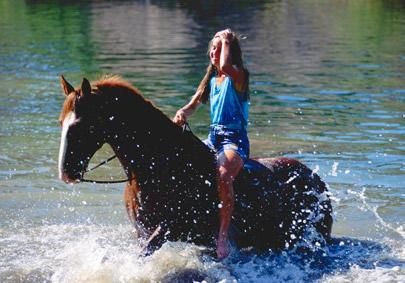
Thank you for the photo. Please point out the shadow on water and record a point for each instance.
(310, 265)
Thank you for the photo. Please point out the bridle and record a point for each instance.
(185, 127)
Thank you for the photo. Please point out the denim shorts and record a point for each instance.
(221, 138)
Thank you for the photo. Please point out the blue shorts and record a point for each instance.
(221, 138)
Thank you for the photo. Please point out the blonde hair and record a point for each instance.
(236, 54)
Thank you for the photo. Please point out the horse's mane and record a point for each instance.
(115, 81)
(109, 84)
(105, 84)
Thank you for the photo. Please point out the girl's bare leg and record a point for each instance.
(229, 165)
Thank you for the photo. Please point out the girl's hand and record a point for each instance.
(180, 118)
(225, 35)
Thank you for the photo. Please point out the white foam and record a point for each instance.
(334, 168)
(111, 253)
(377, 275)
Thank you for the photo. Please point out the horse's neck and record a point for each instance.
(146, 141)
(144, 146)
(161, 149)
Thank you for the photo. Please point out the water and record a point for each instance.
(327, 87)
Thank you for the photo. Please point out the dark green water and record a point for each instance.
(327, 87)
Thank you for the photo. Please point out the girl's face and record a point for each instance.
(215, 51)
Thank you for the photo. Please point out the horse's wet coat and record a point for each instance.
(175, 175)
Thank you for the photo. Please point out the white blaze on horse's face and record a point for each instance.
(70, 118)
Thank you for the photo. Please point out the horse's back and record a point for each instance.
(275, 199)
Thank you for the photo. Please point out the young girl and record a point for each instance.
(226, 86)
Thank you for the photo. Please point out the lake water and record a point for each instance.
(327, 87)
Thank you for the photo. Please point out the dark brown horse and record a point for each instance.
(173, 177)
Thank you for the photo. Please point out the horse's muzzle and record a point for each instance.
(69, 179)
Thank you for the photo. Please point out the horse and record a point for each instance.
(171, 191)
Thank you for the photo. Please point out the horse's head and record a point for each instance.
(81, 134)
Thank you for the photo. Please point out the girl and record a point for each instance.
(226, 86)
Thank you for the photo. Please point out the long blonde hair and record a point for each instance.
(236, 54)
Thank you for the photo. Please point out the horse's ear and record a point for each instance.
(66, 87)
(86, 87)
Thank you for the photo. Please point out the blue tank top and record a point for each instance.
(228, 108)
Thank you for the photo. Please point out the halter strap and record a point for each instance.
(105, 181)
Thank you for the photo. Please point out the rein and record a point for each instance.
(185, 128)
(104, 181)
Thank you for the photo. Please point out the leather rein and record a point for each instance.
(103, 181)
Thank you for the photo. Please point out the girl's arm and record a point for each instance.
(183, 113)
(225, 63)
